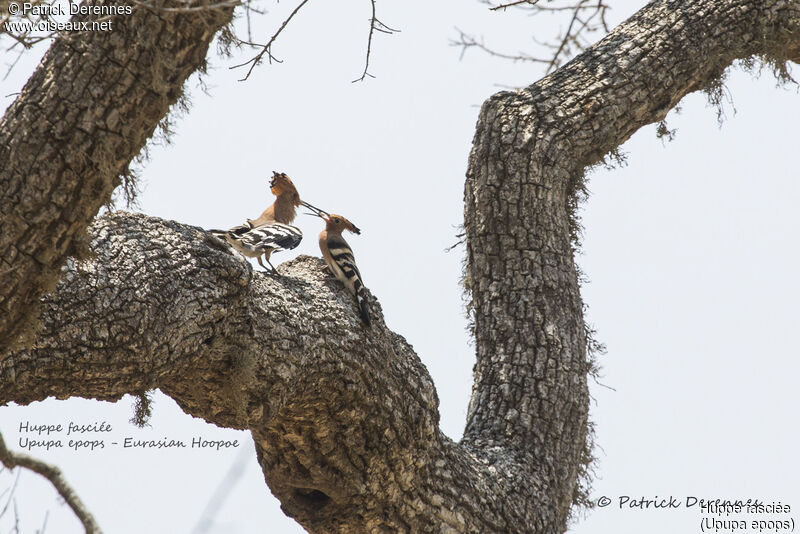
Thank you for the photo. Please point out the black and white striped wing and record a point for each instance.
(240, 230)
(342, 256)
(234, 233)
(271, 237)
(344, 268)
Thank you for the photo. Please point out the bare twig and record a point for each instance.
(10, 492)
(586, 16)
(25, 39)
(224, 489)
(565, 39)
(461, 241)
(16, 518)
(52, 473)
(468, 41)
(555, 9)
(374, 25)
(266, 49)
(512, 4)
(13, 64)
(44, 524)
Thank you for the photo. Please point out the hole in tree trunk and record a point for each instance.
(313, 499)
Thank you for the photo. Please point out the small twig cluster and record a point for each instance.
(586, 16)
(17, 33)
(266, 49)
(375, 25)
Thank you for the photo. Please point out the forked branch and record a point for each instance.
(375, 25)
(267, 48)
(585, 17)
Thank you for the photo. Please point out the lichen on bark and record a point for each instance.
(345, 419)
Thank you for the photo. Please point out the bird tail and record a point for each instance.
(363, 302)
(234, 232)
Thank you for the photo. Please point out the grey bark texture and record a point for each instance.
(82, 117)
(345, 419)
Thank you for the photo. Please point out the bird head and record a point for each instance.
(335, 223)
(280, 184)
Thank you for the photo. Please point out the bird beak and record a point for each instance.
(355, 229)
(318, 212)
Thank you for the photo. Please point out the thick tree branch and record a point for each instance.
(525, 177)
(339, 412)
(82, 117)
(345, 418)
(12, 459)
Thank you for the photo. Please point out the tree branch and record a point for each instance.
(512, 4)
(374, 25)
(24, 38)
(163, 305)
(345, 418)
(524, 182)
(52, 473)
(108, 91)
(267, 48)
(466, 42)
(561, 46)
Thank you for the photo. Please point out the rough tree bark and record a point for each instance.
(345, 419)
(82, 117)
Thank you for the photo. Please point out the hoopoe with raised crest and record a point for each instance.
(339, 257)
(271, 231)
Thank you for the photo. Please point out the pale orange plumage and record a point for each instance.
(271, 231)
(340, 260)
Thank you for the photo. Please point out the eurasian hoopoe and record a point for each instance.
(271, 231)
(339, 257)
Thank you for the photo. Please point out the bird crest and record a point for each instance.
(280, 184)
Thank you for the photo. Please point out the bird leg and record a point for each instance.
(274, 270)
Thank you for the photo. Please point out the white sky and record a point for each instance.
(691, 250)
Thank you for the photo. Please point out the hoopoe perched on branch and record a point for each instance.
(339, 257)
(271, 231)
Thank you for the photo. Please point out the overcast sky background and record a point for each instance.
(691, 251)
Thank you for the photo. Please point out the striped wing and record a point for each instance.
(234, 232)
(344, 267)
(342, 256)
(270, 237)
(240, 230)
